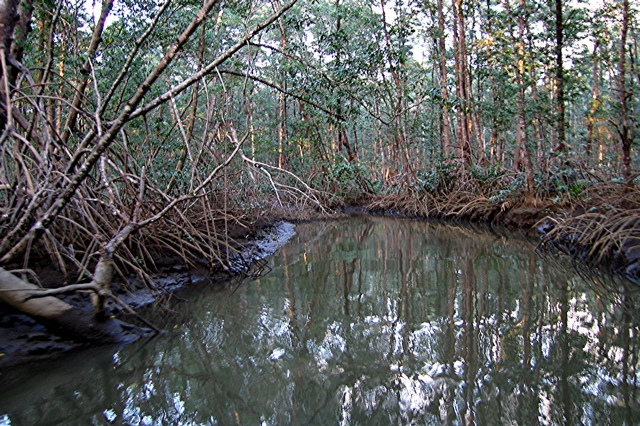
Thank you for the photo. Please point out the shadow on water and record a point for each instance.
(368, 320)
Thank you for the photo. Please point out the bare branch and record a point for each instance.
(282, 90)
(105, 141)
(211, 67)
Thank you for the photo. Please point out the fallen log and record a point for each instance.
(66, 319)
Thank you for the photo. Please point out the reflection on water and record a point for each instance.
(365, 321)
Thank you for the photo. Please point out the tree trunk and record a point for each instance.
(21, 31)
(560, 103)
(11, 248)
(624, 96)
(8, 20)
(96, 38)
(538, 155)
(61, 316)
(444, 93)
(464, 123)
(39, 209)
(522, 119)
(192, 117)
(399, 138)
(594, 106)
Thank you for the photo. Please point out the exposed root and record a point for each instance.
(602, 242)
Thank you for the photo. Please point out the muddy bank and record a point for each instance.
(603, 244)
(601, 234)
(23, 339)
(519, 216)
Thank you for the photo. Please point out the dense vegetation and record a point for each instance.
(147, 128)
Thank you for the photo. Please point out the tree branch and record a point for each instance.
(281, 90)
(105, 141)
(210, 68)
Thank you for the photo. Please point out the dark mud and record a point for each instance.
(601, 253)
(22, 339)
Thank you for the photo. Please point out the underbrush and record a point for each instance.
(497, 195)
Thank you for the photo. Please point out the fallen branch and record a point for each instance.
(53, 311)
(92, 286)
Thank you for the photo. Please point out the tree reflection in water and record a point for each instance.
(368, 320)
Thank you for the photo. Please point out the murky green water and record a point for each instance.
(366, 321)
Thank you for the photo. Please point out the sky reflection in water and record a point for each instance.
(367, 320)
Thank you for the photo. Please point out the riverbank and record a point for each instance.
(23, 339)
(565, 224)
(597, 227)
(395, 308)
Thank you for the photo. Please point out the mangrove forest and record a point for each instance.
(137, 135)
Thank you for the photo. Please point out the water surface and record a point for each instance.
(364, 321)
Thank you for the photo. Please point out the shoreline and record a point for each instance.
(24, 340)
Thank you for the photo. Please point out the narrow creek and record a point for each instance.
(363, 321)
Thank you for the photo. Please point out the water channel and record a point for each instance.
(370, 321)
